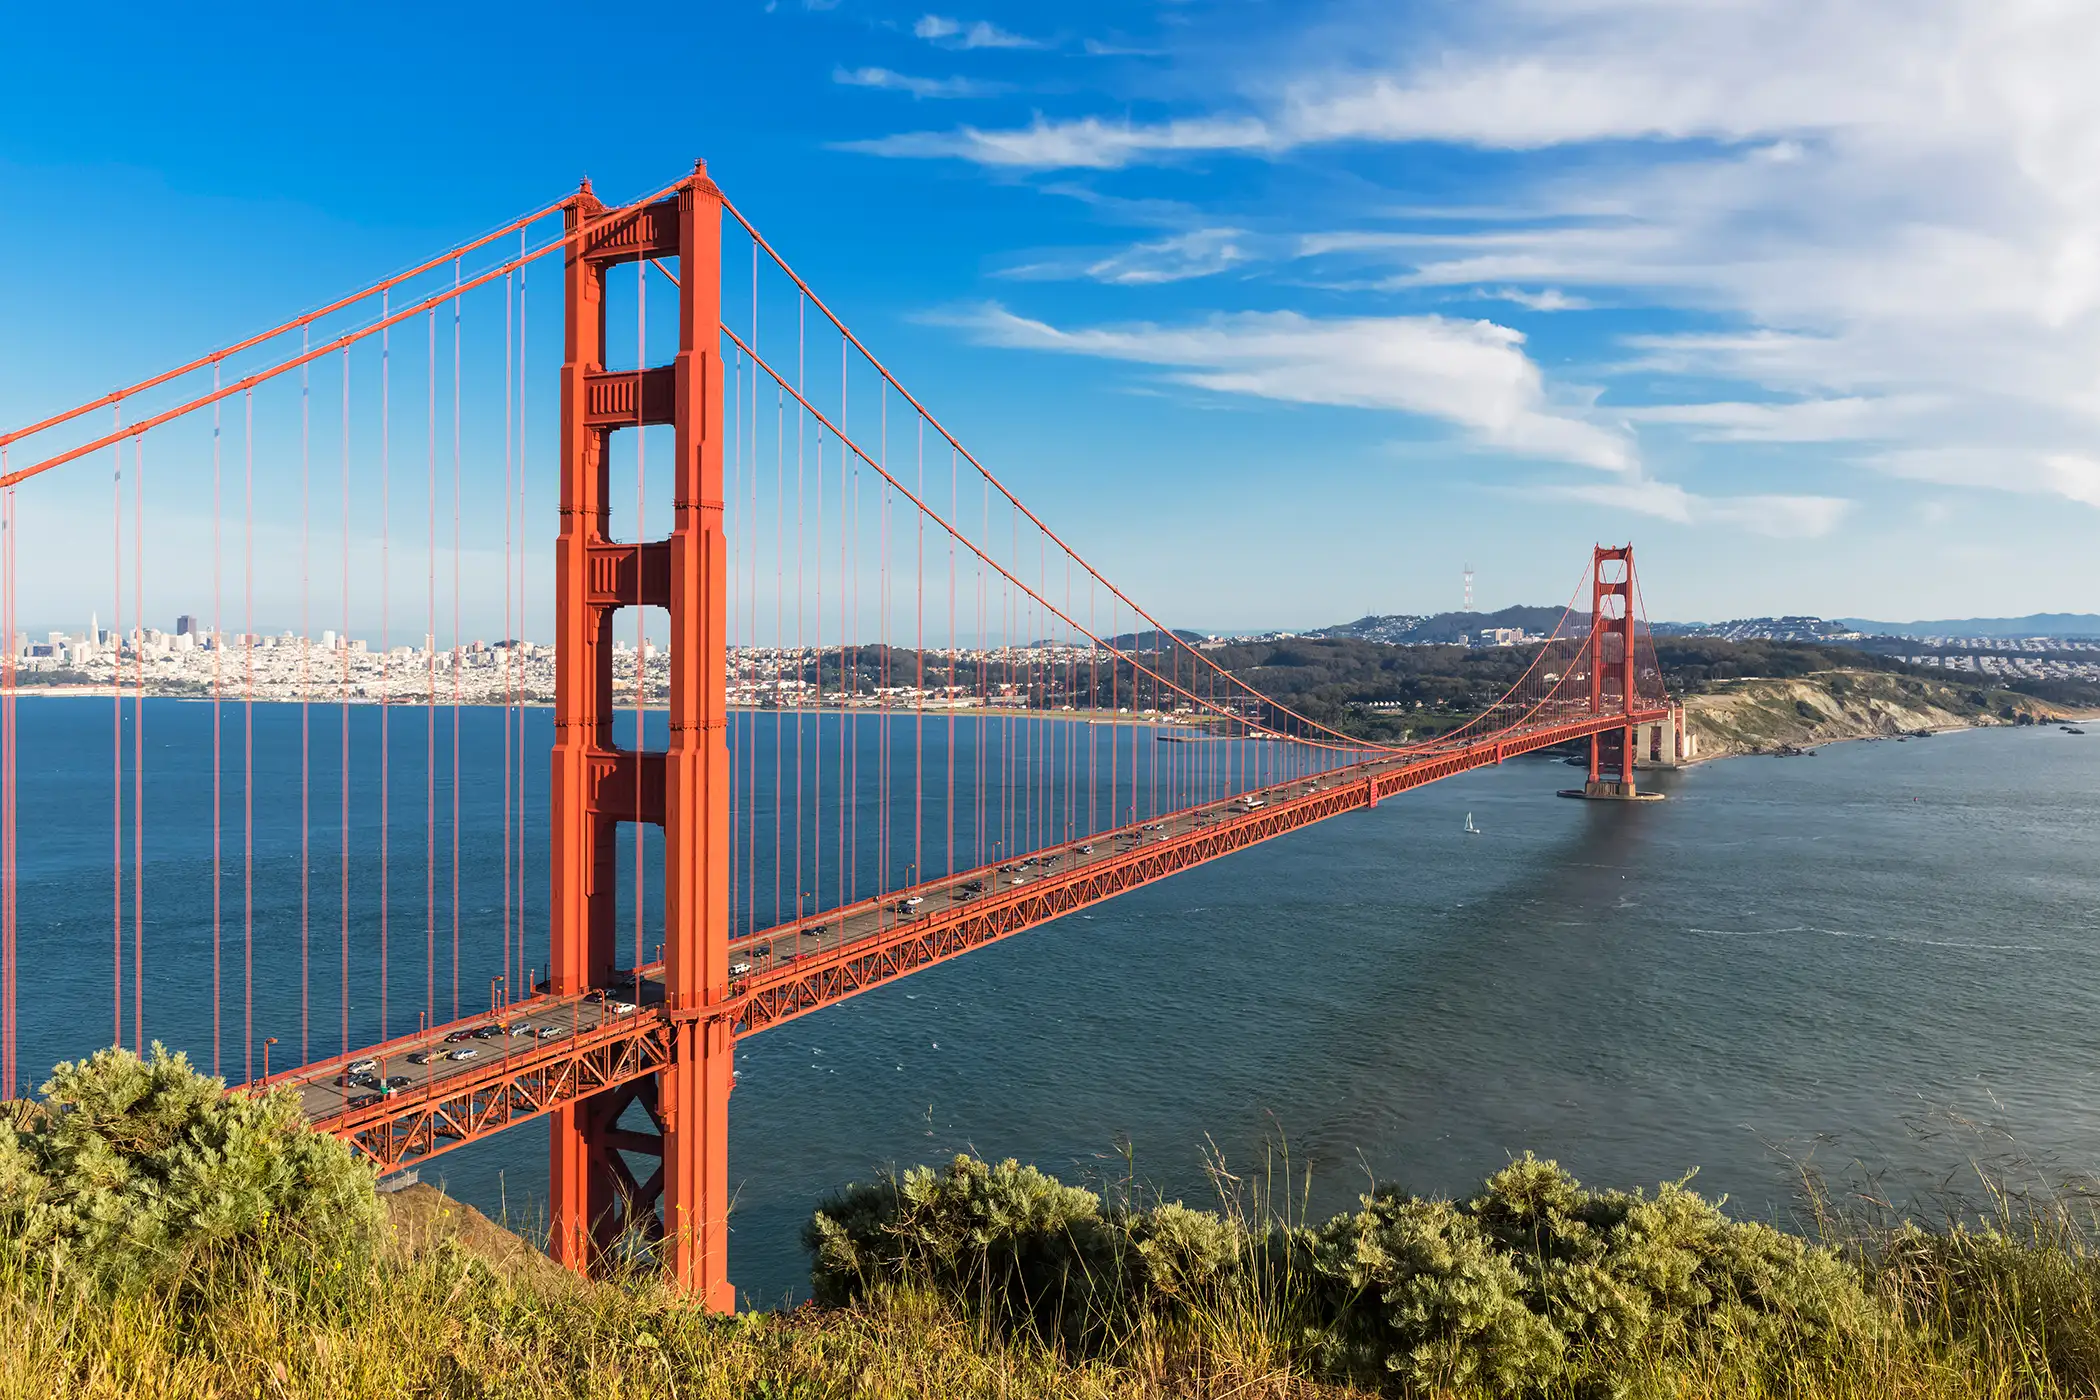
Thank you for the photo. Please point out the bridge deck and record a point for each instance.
(454, 1083)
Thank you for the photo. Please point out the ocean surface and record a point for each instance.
(1878, 961)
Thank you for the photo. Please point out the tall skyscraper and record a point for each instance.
(186, 626)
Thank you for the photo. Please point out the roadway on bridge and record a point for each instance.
(434, 1060)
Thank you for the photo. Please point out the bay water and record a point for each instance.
(1878, 961)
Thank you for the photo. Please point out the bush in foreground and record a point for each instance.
(157, 1239)
(1534, 1285)
(140, 1172)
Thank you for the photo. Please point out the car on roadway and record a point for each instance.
(761, 950)
(366, 1100)
(974, 886)
(487, 1032)
(398, 1081)
(1086, 850)
(620, 1008)
(740, 969)
(365, 1066)
(423, 1057)
(1018, 880)
(552, 1032)
(465, 1052)
(455, 1037)
(784, 959)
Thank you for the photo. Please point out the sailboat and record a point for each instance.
(1471, 830)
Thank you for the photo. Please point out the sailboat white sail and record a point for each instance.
(1471, 830)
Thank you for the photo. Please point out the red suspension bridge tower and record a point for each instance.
(685, 789)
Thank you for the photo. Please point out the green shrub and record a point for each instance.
(1532, 1286)
(1414, 1290)
(1006, 1236)
(142, 1172)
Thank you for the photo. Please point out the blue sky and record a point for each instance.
(1281, 312)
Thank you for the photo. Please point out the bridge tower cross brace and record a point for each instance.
(684, 789)
(1612, 621)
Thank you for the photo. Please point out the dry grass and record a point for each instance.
(2006, 1307)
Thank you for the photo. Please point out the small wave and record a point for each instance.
(1962, 945)
(1748, 932)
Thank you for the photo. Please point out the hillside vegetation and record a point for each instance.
(279, 1274)
(1770, 715)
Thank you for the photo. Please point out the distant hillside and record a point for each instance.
(1148, 641)
(2032, 625)
(1407, 629)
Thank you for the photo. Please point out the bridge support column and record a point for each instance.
(1611, 664)
(596, 1196)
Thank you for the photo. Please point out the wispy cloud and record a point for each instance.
(976, 34)
(890, 81)
(1804, 420)
(1778, 516)
(1200, 252)
(1098, 48)
(1090, 143)
(1546, 299)
(2071, 476)
(1472, 374)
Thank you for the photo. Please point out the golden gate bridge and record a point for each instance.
(902, 717)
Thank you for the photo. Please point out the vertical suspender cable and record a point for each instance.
(510, 648)
(779, 632)
(8, 875)
(116, 736)
(138, 748)
(430, 676)
(386, 685)
(801, 422)
(751, 638)
(458, 655)
(918, 724)
(732, 508)
(306, 631)
(248, 736)
(641, 477)
(218, 653)
(517, 863)
(343, 758)
(9, 741)
(954, 650)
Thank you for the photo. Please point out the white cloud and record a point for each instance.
(891, 81)
(978, 34)
(1805, 420)
(1089, 144)
(1786, 517)
(1881, 218)
(1547, 299)
(2069, 475)
(1473, 374)
(1198, 253)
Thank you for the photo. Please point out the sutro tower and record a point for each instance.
(1469, 588)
